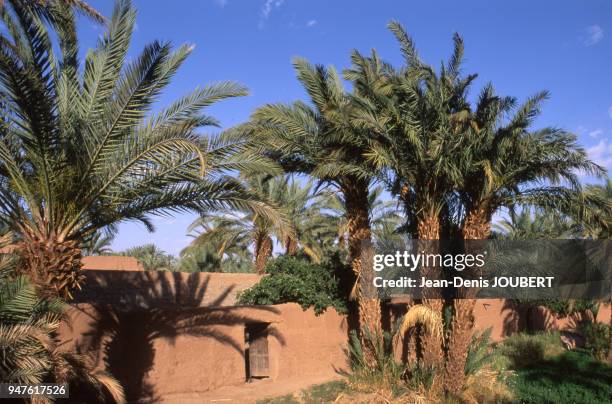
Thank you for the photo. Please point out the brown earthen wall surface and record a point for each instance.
(506, 317)
(155, 352)
(111, 262)
(162, 332)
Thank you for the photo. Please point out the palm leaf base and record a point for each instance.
(54, 267)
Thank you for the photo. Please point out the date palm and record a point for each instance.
(314, 229)
(99, 243)
(528, 225)
(29, 348)
(599, 224)
(385, 218)
(323, 140)
(151, 257)
(206, 258)
(507, 163)
(454, 167)
(215, 250)
(51, 10)
(416, 111)
(234, 226)
(81, 151)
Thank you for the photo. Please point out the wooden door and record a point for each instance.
(258, 350)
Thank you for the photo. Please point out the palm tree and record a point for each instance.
(415, 111)
(452, 167)
(599, 224)
(52, 10)
(80, 151)
(215, 250)
(600, 227)
(385, 218)
(323, 141)
(313, 228)
(29, 348)
(205, 258)
(247, 224)
(99, 243)
(152, 258)
(505, 163)
(528, 225)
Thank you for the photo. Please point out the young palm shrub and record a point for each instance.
(80, 150)
(484, 383)
(384, 375)
(29, 350)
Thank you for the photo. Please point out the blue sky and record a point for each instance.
(520, 46)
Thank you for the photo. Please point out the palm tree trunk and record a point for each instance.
(263, 251)
(428, 229)
(477, 226)
(360, 235)
(53, 266)
(291, 246)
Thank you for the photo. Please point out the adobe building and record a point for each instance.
(167, 333)
(163, 333)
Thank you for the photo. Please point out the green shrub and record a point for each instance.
(323, 393)
(317, 394)
(420, 377)
(597, 338)
(296, 280)
(524, 349)
(572, 377)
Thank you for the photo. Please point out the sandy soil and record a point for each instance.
(246, 393)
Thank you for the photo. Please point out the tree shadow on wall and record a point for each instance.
(143, 307)
(515, 317)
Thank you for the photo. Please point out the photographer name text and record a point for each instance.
(459, 282)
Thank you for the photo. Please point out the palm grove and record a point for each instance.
(81, 151)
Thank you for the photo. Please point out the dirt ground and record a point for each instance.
(248, 392)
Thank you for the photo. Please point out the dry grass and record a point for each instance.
(487, 386)
(419, 314)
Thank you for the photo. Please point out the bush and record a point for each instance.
(296, 280)
(597, 337)
(572, 377)
(524, 349)
(317, 394)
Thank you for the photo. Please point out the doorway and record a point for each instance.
(257, 363)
